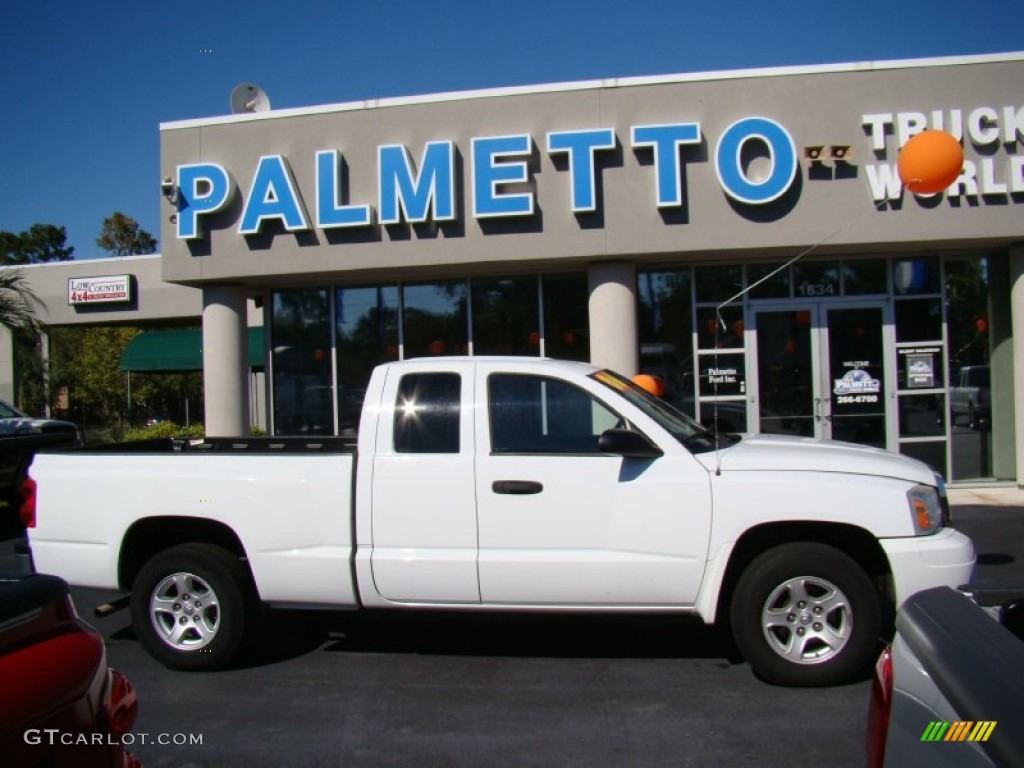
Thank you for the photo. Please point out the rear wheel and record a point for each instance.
(189, 606)
(806, 614)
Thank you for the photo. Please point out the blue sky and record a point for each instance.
(86, 85)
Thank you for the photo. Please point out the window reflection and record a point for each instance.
(301, 356)
(775, 286)
(970, 393)
(912, 277)
(919, 320)
(720, 332)
(434, 319)
(665, 309)
(367, 335)
(566, 316)
(864, 277)
(718, 283)
(506, 320)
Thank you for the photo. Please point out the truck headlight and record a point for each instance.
(925, 509)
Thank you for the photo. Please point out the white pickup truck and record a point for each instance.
(517, 484)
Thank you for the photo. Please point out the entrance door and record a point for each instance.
(820, 372)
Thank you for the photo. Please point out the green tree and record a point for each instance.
(39, 243)
(88, 362)
(121, 235)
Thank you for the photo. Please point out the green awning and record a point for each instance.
(179, 350)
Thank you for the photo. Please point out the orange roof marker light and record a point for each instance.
(652, 384)
(929, 162)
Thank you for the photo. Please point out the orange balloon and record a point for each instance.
(929, 162)
(652, 384)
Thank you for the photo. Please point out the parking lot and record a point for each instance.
(453, 690)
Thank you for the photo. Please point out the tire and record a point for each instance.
(806, 614)
(190, 604)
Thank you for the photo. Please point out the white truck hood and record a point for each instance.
(782, 453)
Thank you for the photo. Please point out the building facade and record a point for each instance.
(744, 235)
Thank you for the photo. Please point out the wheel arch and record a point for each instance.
(856, 542)
(150, 536)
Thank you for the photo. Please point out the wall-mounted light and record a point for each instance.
(841, 153)
(814, 154)
(169, 190)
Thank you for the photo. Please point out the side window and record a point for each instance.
(535, 414)
(427, 413)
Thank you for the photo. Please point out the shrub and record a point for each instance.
(165, 429)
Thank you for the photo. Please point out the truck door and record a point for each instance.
(423, 499)
(562, 523)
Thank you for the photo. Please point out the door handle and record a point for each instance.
(822, 409)
(517, 487)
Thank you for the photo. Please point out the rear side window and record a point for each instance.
(427, 413)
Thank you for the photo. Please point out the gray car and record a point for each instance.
(16, 422)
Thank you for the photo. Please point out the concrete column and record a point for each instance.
(1003, 394)
(225, 361)
(1017, 309)
(612, 308)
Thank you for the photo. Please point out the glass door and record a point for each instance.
(855, 403)
(788, 389)
(820, 372)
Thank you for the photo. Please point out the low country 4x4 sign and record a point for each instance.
(99, 290)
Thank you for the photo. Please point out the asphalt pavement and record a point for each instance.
(446, 690)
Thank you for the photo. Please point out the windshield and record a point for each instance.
(683, 428)
(9, 412)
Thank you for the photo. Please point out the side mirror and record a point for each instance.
(629, 444)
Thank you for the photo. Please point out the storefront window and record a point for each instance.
(932, 453)
(814, 280)
(505, 317)
(864, 277)
(366, 335)
(970, 393)
(665, 312)
(566, 316)
(918, 320)
(718, 283)
(922, 416)
(774, 287)
(725, 417)
(913, 277)
(434, 319)
(301, 359)
(720, 331)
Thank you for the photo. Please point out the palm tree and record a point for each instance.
(18, 303)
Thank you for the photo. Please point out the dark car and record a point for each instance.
(16, 422)
(61, 704)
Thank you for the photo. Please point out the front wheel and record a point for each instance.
(189, 606)
(806, 614)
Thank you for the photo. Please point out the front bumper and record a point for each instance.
(945, 558)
